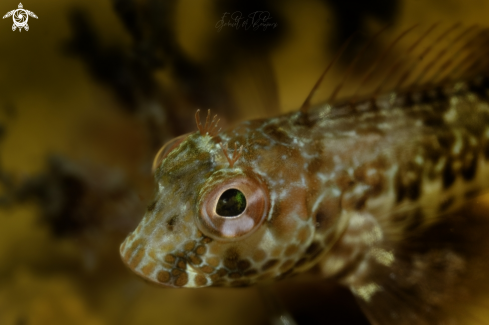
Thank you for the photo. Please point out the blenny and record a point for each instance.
(374, 192)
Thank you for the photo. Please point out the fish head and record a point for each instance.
(218, 223)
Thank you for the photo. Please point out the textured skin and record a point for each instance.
(345, 183)
(381, 195)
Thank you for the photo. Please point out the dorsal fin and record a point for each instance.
(369, 74)
(412, 60)
(445, 64)
(424, 54)
(474, 60)
(399, 61)
(454, 63)
(352, 65)
(307, 103)
(438, 57)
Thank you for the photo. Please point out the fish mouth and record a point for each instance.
(160, 273)
(144, 269)
(166, 277)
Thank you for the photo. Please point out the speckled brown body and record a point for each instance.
(392, 166)
(372, 192)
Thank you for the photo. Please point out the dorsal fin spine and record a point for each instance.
(469, 60)
(462, 59)
(407, 73)
(452, 52)
(451, 59)
(379, 59)
(349, 70)
(307, 103)
(397, 64)
(476, 61)
(430, 66)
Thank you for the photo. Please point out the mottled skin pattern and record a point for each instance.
(342, 182)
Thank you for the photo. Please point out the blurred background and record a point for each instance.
(90, 93)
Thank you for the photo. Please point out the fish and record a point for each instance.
(380, 190)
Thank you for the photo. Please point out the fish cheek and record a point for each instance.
(327, 214)
(237, 263)
(289, 214)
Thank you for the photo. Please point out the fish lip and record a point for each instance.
(147, 278)
(152, 281)
(163, 285)
(193, 269)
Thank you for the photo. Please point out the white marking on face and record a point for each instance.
(268, 241)
(319, 200)
(336, 192)
(323, 177)
(307, 156)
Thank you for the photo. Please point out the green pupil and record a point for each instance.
(231, 203)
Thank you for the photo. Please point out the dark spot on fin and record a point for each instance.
(400, 190)
(445, 205)
(414, 190)
(407, 187)
(448, 174)
(415, 220)
(469, 168)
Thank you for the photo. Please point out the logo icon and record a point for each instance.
(20, 17)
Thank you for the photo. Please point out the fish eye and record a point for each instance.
(231, 203)
(166, 149)
(233, 208)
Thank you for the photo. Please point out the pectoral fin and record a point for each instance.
(435, 275)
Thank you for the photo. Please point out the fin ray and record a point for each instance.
(409, 64)
(438, 275)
